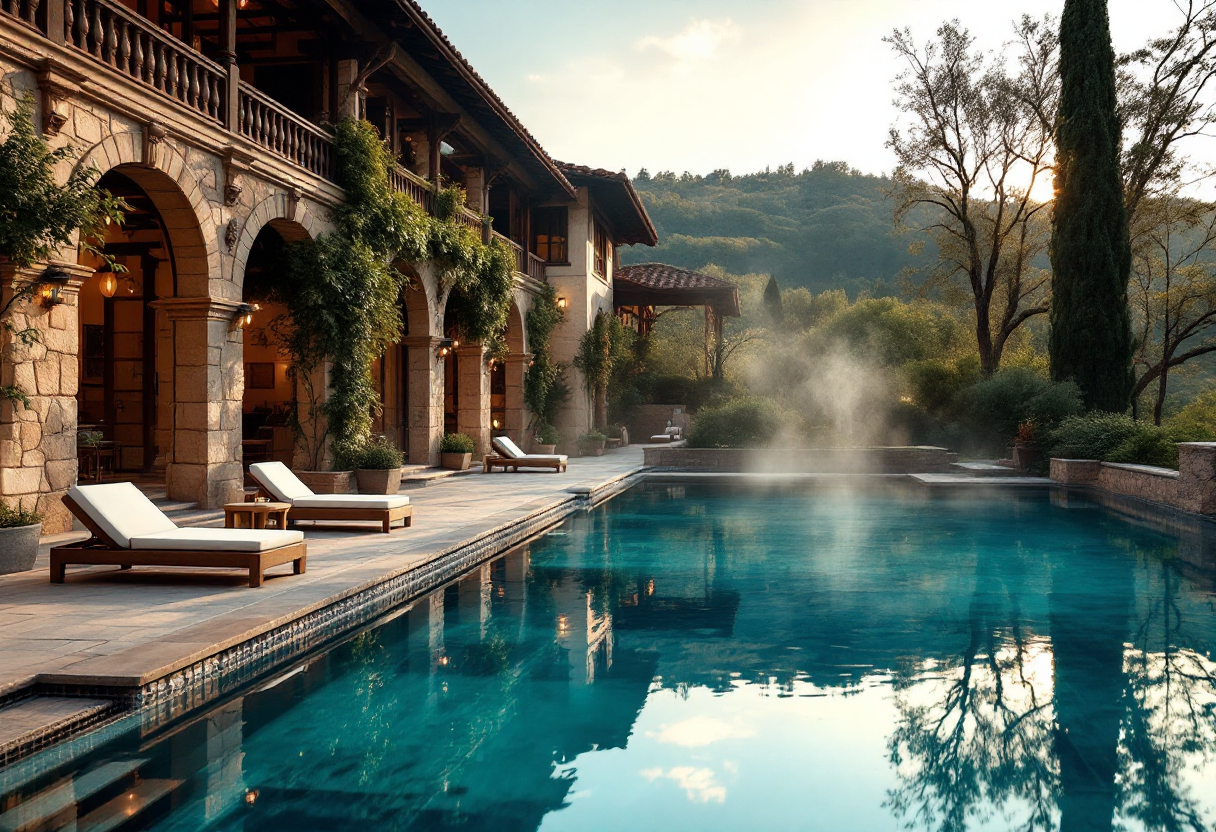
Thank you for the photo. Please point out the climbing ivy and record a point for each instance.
(342, 291)
(544, 391)
(602, 349)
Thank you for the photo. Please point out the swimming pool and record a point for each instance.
(703, 657)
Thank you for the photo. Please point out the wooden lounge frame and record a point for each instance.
(102, 549)
(385, 516)
(506, 463)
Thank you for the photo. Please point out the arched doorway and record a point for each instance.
(125, 362)
(466, 386)
(510, 379)
(269, 397)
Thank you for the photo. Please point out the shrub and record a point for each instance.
(372, 454)
(457, 443)
(995, 407)
(1113, 437)
(592, 436)
(12, 518)
(746, 422)
(546, 434)
(1197, 421)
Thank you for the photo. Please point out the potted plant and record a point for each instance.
(546, 439)
(1026, 450)
(19, 533)
(592, 443)
(456, 451)
(377, 465)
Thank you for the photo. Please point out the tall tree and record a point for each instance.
(1091, 336)
(973, 141)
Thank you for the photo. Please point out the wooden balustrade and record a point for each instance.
(131, 44)
(274, 127)
(24, 10)
(415, 187)
(536, 268)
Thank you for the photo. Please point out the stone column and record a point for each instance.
(1197, 477)
(350, 98)
(425, 406)
(38, 442)
(475, 189)
(473, 407)
(517, 411)
(208, 386)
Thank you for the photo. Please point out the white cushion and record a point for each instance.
(218, 540)
(507, 448)
(120, 510)
(351, 501)
(543, 458)
(663, 437)
(277, 478)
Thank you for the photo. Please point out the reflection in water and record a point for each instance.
(701, 659)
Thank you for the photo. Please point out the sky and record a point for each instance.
(699, 85)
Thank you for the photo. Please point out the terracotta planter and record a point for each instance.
(328, 482)
(19, 548)
(543, 450)
(378, 480)
(1025, 455)
(455, 462)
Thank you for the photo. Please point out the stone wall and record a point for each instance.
(1191, 488)
(805, 461)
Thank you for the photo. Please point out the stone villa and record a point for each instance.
(206, 117)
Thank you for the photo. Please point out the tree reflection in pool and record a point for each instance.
(704, 657)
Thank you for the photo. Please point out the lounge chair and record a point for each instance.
(671, 434)
(276, 481)
(128, 530)
(510, 457)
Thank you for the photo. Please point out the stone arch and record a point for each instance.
(179, 197)
(293, 222)
(419, 367)
(512, 370)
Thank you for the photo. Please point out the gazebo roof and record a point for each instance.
(657, 284)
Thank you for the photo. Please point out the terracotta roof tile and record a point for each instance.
(663, 276)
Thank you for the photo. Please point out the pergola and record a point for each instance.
(639, 289)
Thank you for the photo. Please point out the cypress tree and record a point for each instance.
(772, 301)
(1091, 338)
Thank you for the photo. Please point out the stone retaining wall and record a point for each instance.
(918, 460)
(1191, 488)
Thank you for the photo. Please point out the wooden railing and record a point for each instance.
(270, 124)
(24, 10)
(134, 46)
(536, 268)
(525, 262)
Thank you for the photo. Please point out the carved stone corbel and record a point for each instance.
(236, 163)
(154, 135)
(232, 233)
(293, 200)
(57, 84)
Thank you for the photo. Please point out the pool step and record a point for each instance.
(29, 722)
(126, 806)
(55, 807)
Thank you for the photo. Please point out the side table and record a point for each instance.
(256, 515)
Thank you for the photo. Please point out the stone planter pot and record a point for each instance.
(19, 548)
(378, 480)
(1026, 455)
(455, 462)
(328, 482)
(592, 448)
(543, 450)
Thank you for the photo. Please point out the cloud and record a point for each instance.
(698, 41)
(700, 784)
(701, 731)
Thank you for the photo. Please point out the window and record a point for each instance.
(549, 234)
(601, 251)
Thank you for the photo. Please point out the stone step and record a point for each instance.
(984, 469)
(433, 476)
(55, 806)
(130, 804)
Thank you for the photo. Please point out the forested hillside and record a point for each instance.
(824, 228)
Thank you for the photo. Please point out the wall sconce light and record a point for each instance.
(244, 315)
(108, 284)
(446, 345)
(496, 424)
(561, 303)
(51, 283)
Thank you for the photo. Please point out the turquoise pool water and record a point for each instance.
(693, 657)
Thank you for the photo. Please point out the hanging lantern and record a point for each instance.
(108, 284)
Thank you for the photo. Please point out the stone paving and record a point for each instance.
(107, 623)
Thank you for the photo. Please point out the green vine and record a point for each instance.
(544, 391)
(342, 291)
(39, 216)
